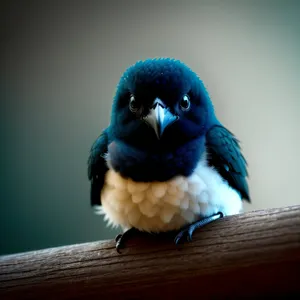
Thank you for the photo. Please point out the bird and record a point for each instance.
(165, 162)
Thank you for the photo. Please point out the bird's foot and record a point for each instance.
(187, 232)
(121, 239)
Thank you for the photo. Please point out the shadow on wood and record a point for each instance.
(252, 254)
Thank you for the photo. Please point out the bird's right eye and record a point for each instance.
(133, 104)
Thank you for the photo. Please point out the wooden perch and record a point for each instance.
(252, 254)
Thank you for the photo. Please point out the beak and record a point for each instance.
(159, 118)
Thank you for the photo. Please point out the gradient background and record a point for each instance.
(60, 63)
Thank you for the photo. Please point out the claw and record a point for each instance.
(119, 246)
(179, 236)
(187, 232)
(121, 239)
(118, 237)
(189, 236)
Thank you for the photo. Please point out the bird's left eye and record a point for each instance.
(185, 103)
(133, 104)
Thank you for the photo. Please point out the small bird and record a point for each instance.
(165, 163)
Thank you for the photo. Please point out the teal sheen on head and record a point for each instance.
(160, 102)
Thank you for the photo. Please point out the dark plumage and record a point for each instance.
(162, 123)
(225, 155)
(97, 167)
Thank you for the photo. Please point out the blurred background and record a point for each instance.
(60, 63)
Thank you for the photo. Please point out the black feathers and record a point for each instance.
(225, 155)
(97, 167)
(136, 152)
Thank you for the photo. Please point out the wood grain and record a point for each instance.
(252, 254)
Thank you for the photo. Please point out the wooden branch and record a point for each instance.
(252, 254)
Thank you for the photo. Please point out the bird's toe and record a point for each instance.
(189, 236)
(117, 238)
(180, 236)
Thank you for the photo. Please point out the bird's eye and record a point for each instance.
(133, 104)
(185, 103)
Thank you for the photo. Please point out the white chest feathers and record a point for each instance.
(163, 206)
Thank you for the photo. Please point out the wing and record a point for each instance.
(224, 154)
(97, 167)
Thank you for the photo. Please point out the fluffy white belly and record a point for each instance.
(163, 206)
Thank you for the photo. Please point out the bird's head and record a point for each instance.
(160, 103)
